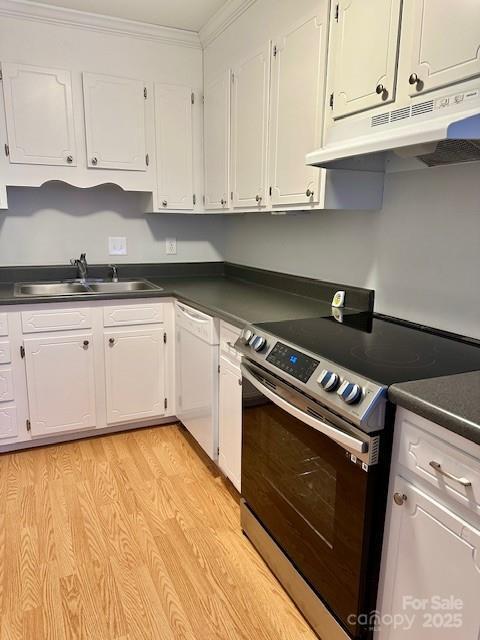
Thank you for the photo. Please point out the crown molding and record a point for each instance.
(221, 20)
(38, 12)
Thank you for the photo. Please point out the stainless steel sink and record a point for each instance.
(75, 288)
(49, 289)
(123, 286)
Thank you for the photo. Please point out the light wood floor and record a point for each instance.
(130, 537)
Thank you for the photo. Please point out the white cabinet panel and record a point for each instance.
(60, 383)
(8, 422)
(6, 385)
(135, 374)
(5, 352)
(38, 320)
(39, 114)
(296, 110)
(431, 553)
(115, 122)
(3, 324)
(230, 421)
(445, 41)
(365, 51)
(130, 314)
(217, 142)
(250, 103)
(174, 145)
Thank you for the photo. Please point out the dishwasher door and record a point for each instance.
(197, 376)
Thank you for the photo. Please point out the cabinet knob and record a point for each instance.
(258, 198)
(399, 498)
(86, 343)
(94, 160)
(111, 341)
(309, 193)
(380, 89)
(69, 159)
(164, 203)
(414, 79)
(223, 202)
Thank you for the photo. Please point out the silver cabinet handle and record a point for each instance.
(399, 498)
(414, 79)
(86, 343)
(223, 202)
(258, 198)
(438, 467)
(111, 341)
(380, 89)
(309, 193)
(338, 436)
(164, 203)
(69, 159)
(94, 160)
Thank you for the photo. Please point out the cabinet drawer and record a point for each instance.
(132, 314)
(421, 452)
(5, 353)
(8, 422)
(37, 321)
(228, 336)
(3, 324)
(6, 385)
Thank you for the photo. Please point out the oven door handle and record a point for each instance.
(339, 436)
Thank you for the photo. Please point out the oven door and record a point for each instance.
(304, 483)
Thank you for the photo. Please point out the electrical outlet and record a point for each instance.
(171, 246)
(117, 246)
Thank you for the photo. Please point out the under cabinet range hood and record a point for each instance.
(440, 131)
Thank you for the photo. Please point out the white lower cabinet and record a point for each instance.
(433, 571)
(430, 582)
(61, 383)
(230, 421)
(135, 374)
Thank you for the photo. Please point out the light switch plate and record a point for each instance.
(117, 246)
(171, 246)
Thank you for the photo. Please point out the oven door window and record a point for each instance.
(311, 498)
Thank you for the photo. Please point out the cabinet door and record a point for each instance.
(60, 383)
(445, 41)
(431, 553)
(135, 374)
(365, 50)
(173, 125)
(250, 100)
(39, 115)
(297, 111)
(230, 422)
(217, 142)
(114, 122)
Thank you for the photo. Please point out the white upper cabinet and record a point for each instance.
(174, 144)
(115, 122)
(39, 115)
(250, 104)
(365, 50)
(445, 42)
(135, 374)
(296, 111)
(217, 142)
(61, 383)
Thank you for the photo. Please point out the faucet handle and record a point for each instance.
(114, 269)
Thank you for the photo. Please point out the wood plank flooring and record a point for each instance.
(130, 536)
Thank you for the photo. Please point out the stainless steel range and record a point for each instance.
(317, 431)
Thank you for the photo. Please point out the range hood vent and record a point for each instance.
(415, 131)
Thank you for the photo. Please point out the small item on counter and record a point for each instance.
(337, 314)
(338, 299)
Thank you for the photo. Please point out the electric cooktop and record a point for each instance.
(382, 350)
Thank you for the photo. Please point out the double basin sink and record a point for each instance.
(77, 287)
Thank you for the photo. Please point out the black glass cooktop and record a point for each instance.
(379, 349)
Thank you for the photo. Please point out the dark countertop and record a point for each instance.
(452, 402)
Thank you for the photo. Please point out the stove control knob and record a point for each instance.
(258, 343)
(328, 380)
(247, 335)
(350, 393)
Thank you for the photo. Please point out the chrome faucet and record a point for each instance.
(82, 266)
(114, 270)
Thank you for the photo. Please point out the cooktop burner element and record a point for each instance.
(381, 350)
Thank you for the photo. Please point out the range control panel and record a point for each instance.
(294, 362)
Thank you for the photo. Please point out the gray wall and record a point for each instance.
(51, 224)
(421, 253)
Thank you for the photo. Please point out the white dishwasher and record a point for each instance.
(197, 375)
